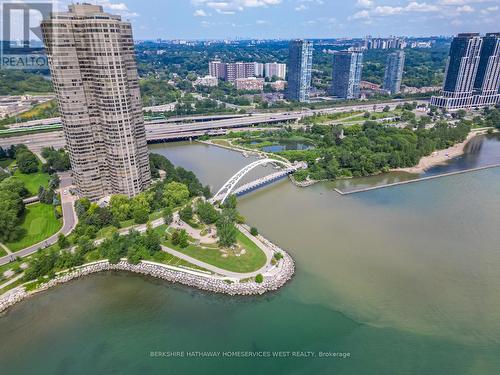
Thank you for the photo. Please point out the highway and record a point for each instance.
(160, 130)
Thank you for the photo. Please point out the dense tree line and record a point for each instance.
(19, 82)
(371, 148)
(57, 160)
(12, 192)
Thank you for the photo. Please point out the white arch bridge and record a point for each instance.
(230, 186)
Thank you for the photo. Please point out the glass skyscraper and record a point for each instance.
(346, 75)
(299, 71)
(394, 72)
(487, 80)
(472, 72)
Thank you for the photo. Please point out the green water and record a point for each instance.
(405, 279)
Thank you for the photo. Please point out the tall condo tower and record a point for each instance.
(394, 72)
(346, 75)
(299, 70)
(461, 69)
(487, 82)
(92, 62)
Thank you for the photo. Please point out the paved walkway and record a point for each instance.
(7, 250)
(13, 280)
(239, 275)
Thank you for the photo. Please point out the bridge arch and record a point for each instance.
(229, 186)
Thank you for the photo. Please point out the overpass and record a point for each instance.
(182, 128)
(230, 186)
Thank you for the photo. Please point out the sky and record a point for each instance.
(286, 19)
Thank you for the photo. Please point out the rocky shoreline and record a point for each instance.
(273, 280)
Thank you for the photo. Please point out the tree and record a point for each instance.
(119, 206)
(186, 214)
(175, 238)
(226, 231)
(140, 214)
(14, 185)
(62, 241)
(82, 205)
(27, 162)
(167, 215)
(254, 231)
(259, 278)
(387, 108)
(11, 208)
(175, 194)
(206, 212)
(151, 241)
(183, 238)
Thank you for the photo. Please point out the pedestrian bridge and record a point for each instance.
(230, 186)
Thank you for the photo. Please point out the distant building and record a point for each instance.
(249, 84)
(394, 72)
(487, 81)
(346, 75)
(259, 69)
(472, 72)
(300, 69)
(385, 43)
(275, 70)
(94, 72)
(206, 81)
(231, 71)
(278, 85)
(217, 68)
(421, 44)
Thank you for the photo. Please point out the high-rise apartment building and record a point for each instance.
(259, 69)
(231, 71)
(461, 70)
(275, 70)
(346, 75)
(94, 73)
(487, 82)
(394, 72)
(299, 71)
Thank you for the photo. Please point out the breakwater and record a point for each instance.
(416, 180)
(273, 279)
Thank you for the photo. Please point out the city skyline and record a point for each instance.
(309, 19)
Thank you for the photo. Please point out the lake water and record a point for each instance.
(405, 279)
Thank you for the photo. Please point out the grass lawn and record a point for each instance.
(252, 260)
(33, 181)
(2, 252)
(39, 223)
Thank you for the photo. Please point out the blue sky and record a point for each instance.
(209, 19)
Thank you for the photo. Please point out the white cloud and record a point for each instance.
(460, 2)
(364, 3)
(490, 10)
(301, 7)
(465, 9)
(232, 6)
(362, 14)
(200, 13)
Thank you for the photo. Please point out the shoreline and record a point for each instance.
(440, 157)
(274, 279)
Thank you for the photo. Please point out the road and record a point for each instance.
(69, 222)
(176, 129)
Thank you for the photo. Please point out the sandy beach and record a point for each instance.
(441, 156)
